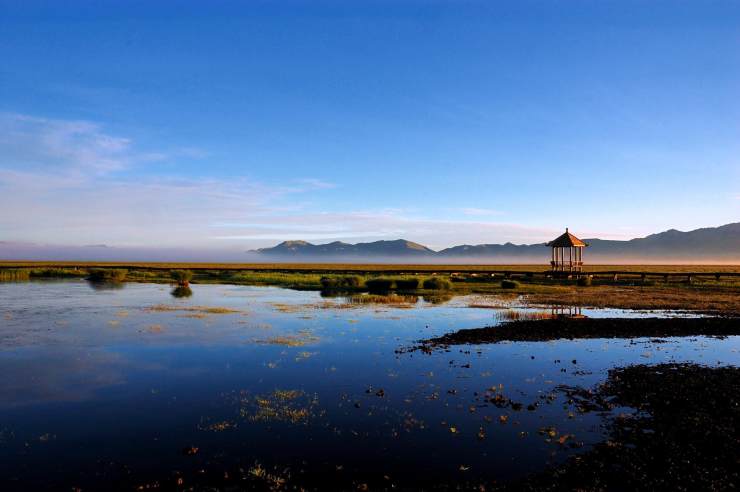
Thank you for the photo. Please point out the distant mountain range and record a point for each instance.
(399, 247)
(708, 245)
(720, 244)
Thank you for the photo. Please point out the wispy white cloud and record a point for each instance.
(62, 182)
(314, 183)
(71, 147)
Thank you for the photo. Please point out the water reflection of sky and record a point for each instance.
(95, 376)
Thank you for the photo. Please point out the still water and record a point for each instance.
(134, 387)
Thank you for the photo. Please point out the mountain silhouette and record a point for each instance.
(720, 244)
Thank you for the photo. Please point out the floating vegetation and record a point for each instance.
(154, 329)
(293, 406)
(220, 426)
(383, 299)
(193, 309)
(299, 340)
(273, 481)
(303, 355)
(303, 308)
(287, 308)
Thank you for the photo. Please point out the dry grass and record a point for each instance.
(637, 297)
(519, 315)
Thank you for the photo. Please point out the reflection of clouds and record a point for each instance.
(35, 376)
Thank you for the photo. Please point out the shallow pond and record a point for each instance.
(134, 386)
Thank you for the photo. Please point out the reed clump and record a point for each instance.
(379, 284)
(107, 274)
(57, 273)
(437, 283)
(292, 280)
(339, 283)
(407, 283)
(9, 275)
(182, 277)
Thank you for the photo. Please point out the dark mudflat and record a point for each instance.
(685, 434)
(571, 328)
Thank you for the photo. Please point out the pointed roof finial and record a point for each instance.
(566, 229)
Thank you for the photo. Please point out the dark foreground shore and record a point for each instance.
(572, 328)
(683, 435)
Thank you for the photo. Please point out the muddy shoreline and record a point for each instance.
(574, 328)
(683, 435)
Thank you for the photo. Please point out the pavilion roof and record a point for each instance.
(566, 240)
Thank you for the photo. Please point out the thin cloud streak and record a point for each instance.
(477, 212)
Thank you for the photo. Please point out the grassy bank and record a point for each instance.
(363, 267)
(701, 293)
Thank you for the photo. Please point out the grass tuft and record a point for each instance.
(182, 277)
(379, 284)
(407, 283)
(107, 274)
(437, 283)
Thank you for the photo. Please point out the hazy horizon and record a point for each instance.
(10, 251)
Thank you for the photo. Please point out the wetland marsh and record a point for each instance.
(243, 387)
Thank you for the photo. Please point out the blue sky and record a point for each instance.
(235, 125)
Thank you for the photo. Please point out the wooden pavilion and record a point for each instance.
(567, 263)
